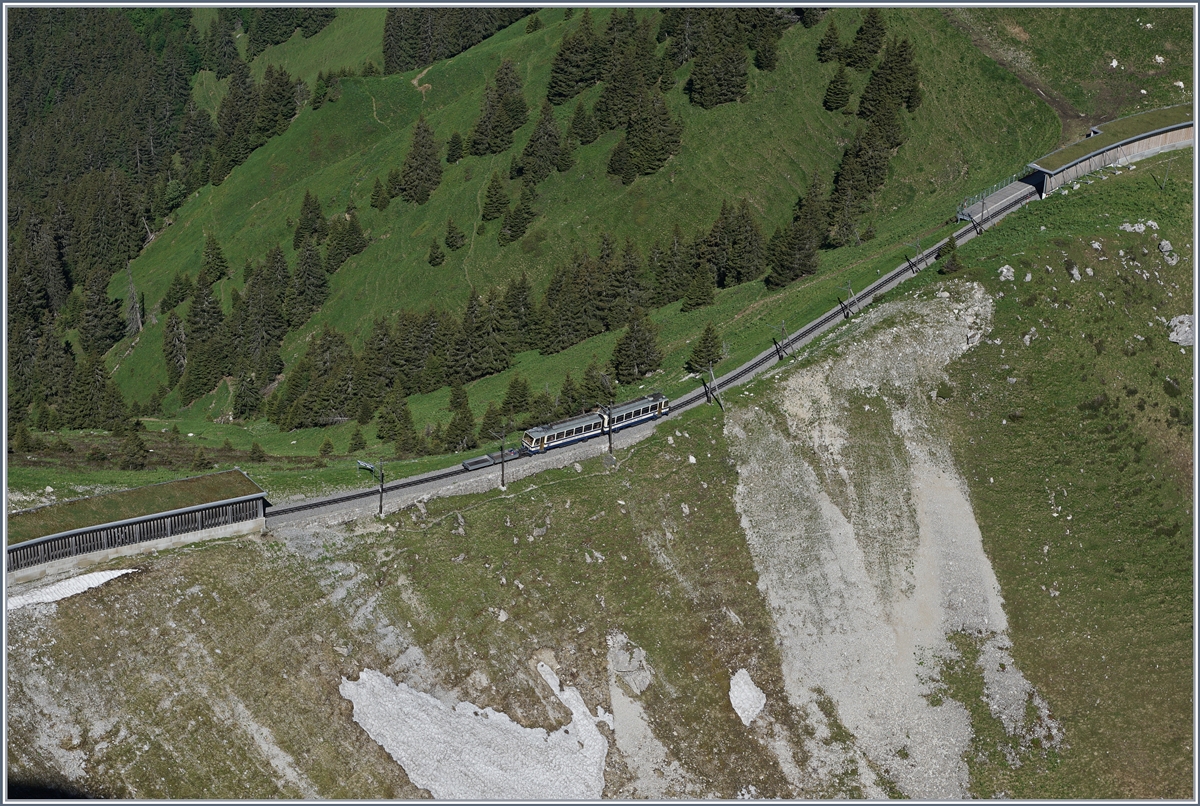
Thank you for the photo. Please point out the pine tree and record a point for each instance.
(620, 164)
(326, 448)
(583, 125)
(379, 196)
(174, 349)
(701, 289)
(794, 248)
(653, 135)
(637, 352)
(200, 461)
(408, 442)
(595, 389)
(133, 453)
(948, 259)
(393, 183)
(516, 397)
(570, 71)
(867, 41)
(837, 95)
(569, 403)
(179, 290)
(454, 149)
(707, 351)
(894, 82)
(517, 220)
(534, 24)
(312, 221)
(357, 441)
(309, 286)
(495, 202)
(421, 172)
(829, 49)
(455, 238)
(566, 153)
(542, 151)
(436, 256)
(492, 423)
(460, 434)
(257, 454)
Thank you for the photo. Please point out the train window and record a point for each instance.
(559, 435)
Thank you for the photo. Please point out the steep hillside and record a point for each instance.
(949, 545)
(976, 124)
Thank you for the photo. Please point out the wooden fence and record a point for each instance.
(135, 530)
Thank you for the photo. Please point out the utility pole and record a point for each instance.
(608, 416)
(714, 388)
(850, 300)
(500, 437)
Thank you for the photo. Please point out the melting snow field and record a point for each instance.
(472, 753)
(68, 587)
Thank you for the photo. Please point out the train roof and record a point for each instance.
(583, 419)
(550, 428)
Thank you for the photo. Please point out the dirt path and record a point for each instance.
(867, 547)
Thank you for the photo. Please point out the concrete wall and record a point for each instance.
(81, 561)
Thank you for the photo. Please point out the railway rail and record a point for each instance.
(909, 268)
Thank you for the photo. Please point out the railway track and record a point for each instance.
(747, 370)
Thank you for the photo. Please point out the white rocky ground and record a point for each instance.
(867, 548)
(61, 590)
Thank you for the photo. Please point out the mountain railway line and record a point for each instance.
(706, 393)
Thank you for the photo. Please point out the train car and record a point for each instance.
(584, 427)
(555, 435)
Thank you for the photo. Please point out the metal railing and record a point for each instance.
(133, 531)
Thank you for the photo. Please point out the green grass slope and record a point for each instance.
(1078, 451)
(976, 125)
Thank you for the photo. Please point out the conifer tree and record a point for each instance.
(570, 71)
(495, 202)
(213, 266)
(829, 49)
(101, 324)
(257, 454)
(542, 151)
(534, 24)
(595, 389)
(516, 397)
(719, 71)
(133, 453)
(455, 238)
(393, 183)
(583, 125)
(492, 423)
(454, 149)
(566, 153)
(200, 461)
(326, 448)
(379, 197)
(180, 289)
(707, 351)
(517, 220)
(436, 256)
(569, 403)
(620, 164)
(460, 433)
(357, 441)
(894, 82)
(948, 259)
(637, 352)
(837, 94)
(867, 41)
(421, 172)
(701, 290)
(653, 136)
(408, 442)
(312, 221)
(794, 248)
(309, 287)
(174, 349)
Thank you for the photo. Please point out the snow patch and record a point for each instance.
(470, 753)
(68, 587)
(747, 698)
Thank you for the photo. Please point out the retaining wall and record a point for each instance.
(1179, 136)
